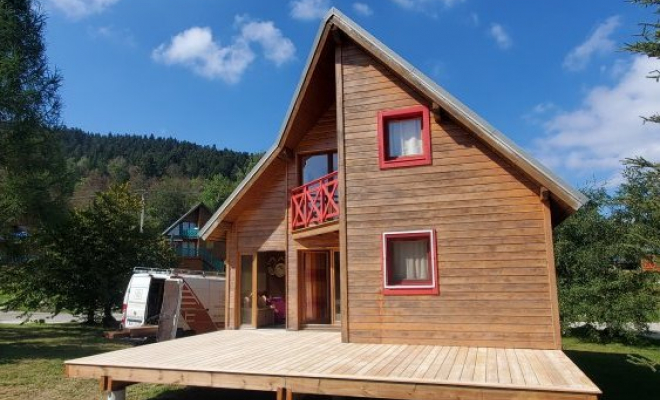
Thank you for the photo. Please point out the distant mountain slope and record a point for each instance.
(154, 156)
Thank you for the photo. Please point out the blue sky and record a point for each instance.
(549, 74)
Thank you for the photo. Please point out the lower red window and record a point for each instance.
(409, 263)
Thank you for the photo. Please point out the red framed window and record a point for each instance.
(409, 263)
(404, 137)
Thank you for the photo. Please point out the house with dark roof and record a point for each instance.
(194, 253)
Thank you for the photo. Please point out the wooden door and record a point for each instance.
(316, 295)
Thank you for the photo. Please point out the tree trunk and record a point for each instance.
(90, 316)
(108, 319)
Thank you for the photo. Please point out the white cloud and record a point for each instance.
(418, 4)
(196, 49)
(607, 127)
(119, 36)
(81, 8)
(363, 9)
(309, 9)
(276, 47)
(598, 42)
(500, 35)
(474, 17)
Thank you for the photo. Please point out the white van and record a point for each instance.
(185, 299)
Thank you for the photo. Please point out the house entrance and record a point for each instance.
(263, 290)
(320, 292)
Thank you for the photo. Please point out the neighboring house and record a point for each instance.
(407, 243)
(193, 252)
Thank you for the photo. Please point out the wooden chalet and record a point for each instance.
(404, 245)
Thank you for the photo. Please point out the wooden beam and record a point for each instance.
(255, 284)
(107, 384)
(312, 231)
(286, 154)
(336, 34)
(341, 152)
(178, 377)
(436, 110)
(546, 209)
(409, 391)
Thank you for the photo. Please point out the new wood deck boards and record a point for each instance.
(321, 355)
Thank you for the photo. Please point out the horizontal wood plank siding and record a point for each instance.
(262, 225)
(489, 221)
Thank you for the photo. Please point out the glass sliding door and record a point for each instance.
(246, 292)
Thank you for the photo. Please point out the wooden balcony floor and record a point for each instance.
(317, 362)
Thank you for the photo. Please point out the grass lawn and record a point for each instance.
(31, 367)
(620, 371)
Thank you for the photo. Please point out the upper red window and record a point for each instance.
(409, 263)
(404, 137)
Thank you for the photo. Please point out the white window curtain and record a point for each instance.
(410, 260)
(405, 137)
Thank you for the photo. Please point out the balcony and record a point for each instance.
(315, 203)
(190, 233)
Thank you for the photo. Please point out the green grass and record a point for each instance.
(31, 367)
(621, 371)
(31, 359)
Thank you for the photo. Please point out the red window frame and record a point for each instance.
(407, 161)
(409, 288)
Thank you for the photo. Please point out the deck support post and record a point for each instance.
(112, 390)
(284, 394)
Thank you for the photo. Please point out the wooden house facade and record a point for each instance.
(402, 244)
(341, 193)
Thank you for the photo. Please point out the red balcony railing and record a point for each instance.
(315, 202)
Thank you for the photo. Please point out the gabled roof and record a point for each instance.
(178, 221)
(560, 190)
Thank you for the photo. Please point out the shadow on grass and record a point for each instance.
(195, 393)
(619, 376)
(63, 341)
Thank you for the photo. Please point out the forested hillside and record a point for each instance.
(153, 155)
(172, 174)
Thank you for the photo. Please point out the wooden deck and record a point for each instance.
(317, 362)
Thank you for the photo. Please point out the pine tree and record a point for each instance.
(649, 44)
(34, 183)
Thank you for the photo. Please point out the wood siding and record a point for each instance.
(495, 289)
(321, 137)
(259, 226)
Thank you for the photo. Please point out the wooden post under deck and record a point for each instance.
(113, 390)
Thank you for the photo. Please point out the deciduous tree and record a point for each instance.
(86, 263)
